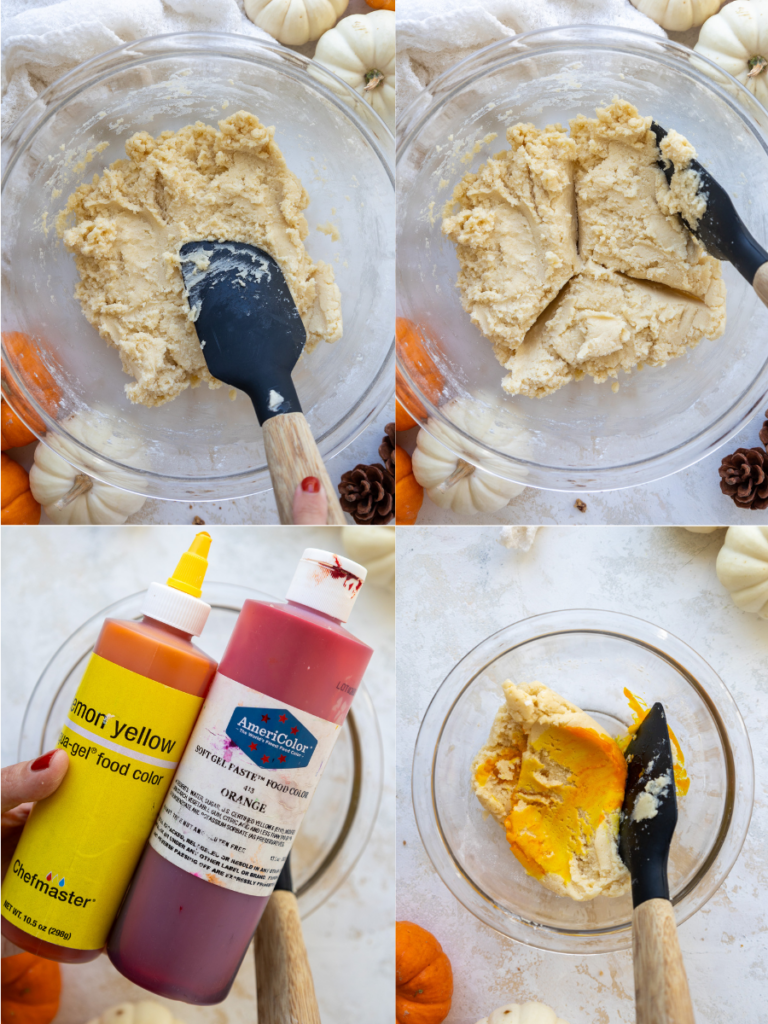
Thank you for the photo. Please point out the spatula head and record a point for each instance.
(247, 322)
(720, 230)
(649, 814)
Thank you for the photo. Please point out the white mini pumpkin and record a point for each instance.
(361, 51)
(373, 547)
(523, 1013)
(742, 567)
(519, 537)
(678, 15)
(454, 482)
(144, 1012)
(295, 22)
(70, 495)
(737, 40)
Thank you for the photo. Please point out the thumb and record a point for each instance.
(310, 505)
(29, 781)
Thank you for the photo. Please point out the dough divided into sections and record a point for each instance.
(637, 289)
(230, 184)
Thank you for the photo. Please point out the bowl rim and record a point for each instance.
(118, 59)
(364, 734)
(739, 797)
(527, 472)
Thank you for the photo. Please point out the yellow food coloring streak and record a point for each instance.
(488, 768)
(640, 709)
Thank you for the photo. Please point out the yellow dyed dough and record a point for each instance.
(573, 259)
(230, 184)
(554, 780)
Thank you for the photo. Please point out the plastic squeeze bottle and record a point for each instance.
(275, 709)
(125, 732)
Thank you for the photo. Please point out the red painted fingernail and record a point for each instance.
(310, 484)
(42, 762)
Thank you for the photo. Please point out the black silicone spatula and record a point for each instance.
(252, 336)
(721, 230)
(284, 988)
(648, 820)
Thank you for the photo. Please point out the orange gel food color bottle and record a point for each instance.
(125, 733)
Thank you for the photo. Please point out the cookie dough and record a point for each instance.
(618, 187)
(554, 310)
(554, 780)
(684, 195)
(515, 233)
(603, 322)
(130, 222)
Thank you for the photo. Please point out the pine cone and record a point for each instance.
(387, 447)
(763, 435)
(368, 494)
(744, 477)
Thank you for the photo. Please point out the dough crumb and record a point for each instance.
(130, 222)
(329, 229)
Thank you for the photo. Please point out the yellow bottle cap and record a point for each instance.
(192, 567)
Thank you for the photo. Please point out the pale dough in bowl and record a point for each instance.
(130, 222)
(573, 259)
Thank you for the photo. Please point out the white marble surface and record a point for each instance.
(456, 586)
(54, 579)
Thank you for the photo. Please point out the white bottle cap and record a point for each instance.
(327, 582)
(175, 608)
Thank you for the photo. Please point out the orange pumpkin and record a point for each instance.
(424, 977)
(38, 379)
(14, 433)
(31, 989)
(381, 5)
(403, 419)
(409, 494)
(19, 508)
(422, 370)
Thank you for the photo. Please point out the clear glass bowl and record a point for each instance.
(587, 656)
(200, 446)
(585, 437)
(340, 819)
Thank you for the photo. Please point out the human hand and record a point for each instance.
(310, 505)
(22, 785)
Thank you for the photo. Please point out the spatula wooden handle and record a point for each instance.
(661, 987)
(291, 455)
(284, 987)
(760, 283)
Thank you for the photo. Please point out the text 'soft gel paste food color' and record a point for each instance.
(260, 745)
(125, 732)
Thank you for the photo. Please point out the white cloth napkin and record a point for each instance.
(433, 35)
(43, 42)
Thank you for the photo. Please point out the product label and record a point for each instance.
(125, 735)
(244, 784)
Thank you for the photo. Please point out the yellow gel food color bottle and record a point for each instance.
(125, 732)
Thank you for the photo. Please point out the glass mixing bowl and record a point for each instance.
(587, 656)
(200, 446)
(338, 824)
(584, 437)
